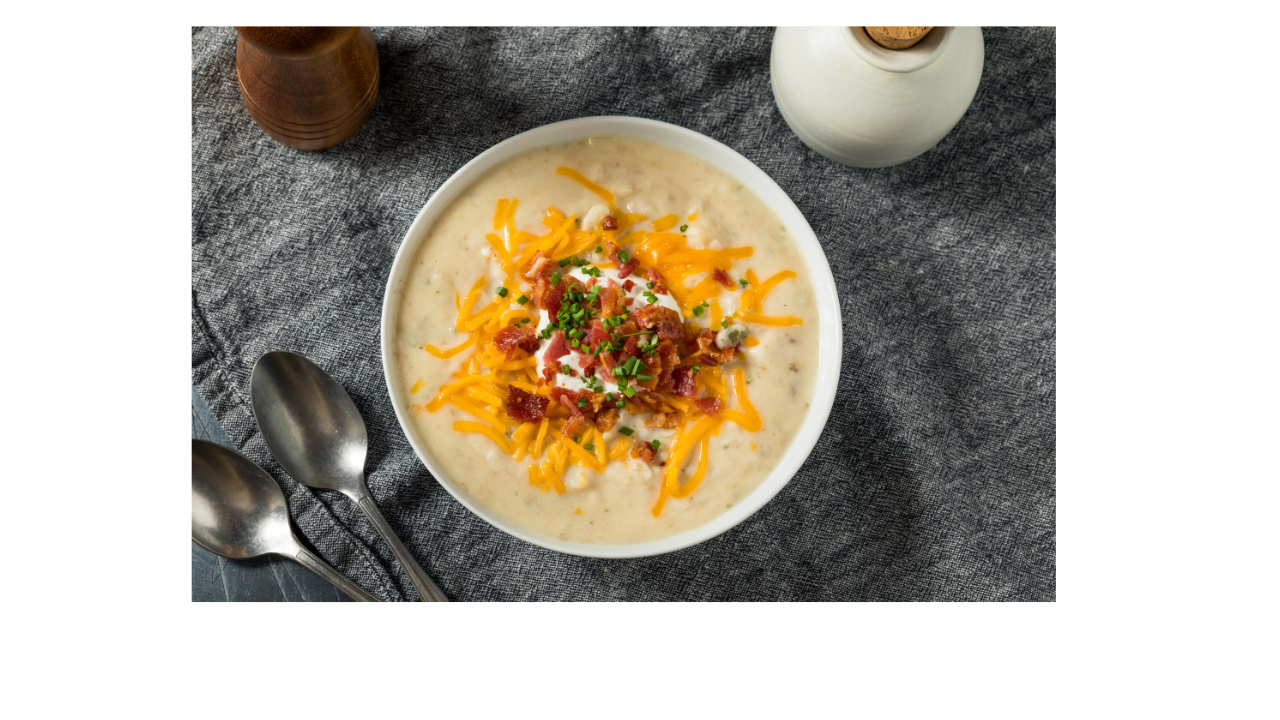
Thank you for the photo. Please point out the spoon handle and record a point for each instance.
(428, 591)
(322, 568)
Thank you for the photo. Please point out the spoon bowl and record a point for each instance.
(239, 512)
(316, 433)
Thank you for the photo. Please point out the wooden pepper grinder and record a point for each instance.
(308, 87)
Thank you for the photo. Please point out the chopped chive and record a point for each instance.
(697, 368)
(623, 255)
(643, 378)
(565, 368)
(744, 282)
(617, 372)
(589, 447)
(625, 430)
(706, 304)
(522, 299)
(697, 309)
(582, 403)
(649, 285)
(630, 392)
(565, 261)
(683, 228)
(656, 444)
(555, 278)
(652, 299)
(724, 323)
(599, 249)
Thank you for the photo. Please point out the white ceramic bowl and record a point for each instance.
(726, 159)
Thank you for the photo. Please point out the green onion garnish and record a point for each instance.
(626, 430)
(630, 392)
(683, 228)
(582, 403)
(620, 404)
(623, 255)
(656, 444)
(744, 282)
(724, 323)
(589, 447)
(697, 309)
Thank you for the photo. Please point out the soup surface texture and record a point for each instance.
(606, 341)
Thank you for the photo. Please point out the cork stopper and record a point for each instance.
(897, 38)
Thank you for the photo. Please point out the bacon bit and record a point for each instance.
(647, 453)
(571, 426)
(670, 360)
(586, 360)
(723, 278)
(665, 320)
(684, 383)
(525, 407)
(628, 285)
(607, 418)
(708, 405)
(659, 282)
(539, 263)
(512, 337)
(549, 373)
(572, 405)
(557, 349)
(597, 334)
(624, 268)
(606, 359)
(552, 298)
(610, 222)
(632, 346)
(665, 421)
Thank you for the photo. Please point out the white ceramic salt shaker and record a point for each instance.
(862, 104)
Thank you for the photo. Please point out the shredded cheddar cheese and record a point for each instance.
(696, 279)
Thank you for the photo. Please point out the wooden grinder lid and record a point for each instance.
(897, 38)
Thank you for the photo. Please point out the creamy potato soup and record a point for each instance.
(606, 341)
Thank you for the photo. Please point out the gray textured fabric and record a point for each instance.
(934, 478)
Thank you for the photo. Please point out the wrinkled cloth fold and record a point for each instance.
(935, 476)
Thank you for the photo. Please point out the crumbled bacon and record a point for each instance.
(512, 337)
(665, 421)
(659, 282)
(607, 418)
(539, 263)
(610, 222)
(624, 268)
(723, 278)
(665, 320)
(684, 383)
(525, 407)
(669, 359)
(606, 360)
(549, 373)
(646, 451)
(557, 349)
(628, 285)
(708, 405)
(704, 348)
(585, 360)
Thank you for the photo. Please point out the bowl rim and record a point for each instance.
(830, 330)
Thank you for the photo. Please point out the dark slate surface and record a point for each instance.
(934, 479)
(266, 579)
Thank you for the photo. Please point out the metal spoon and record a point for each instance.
(238, 512)
(317, 435)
